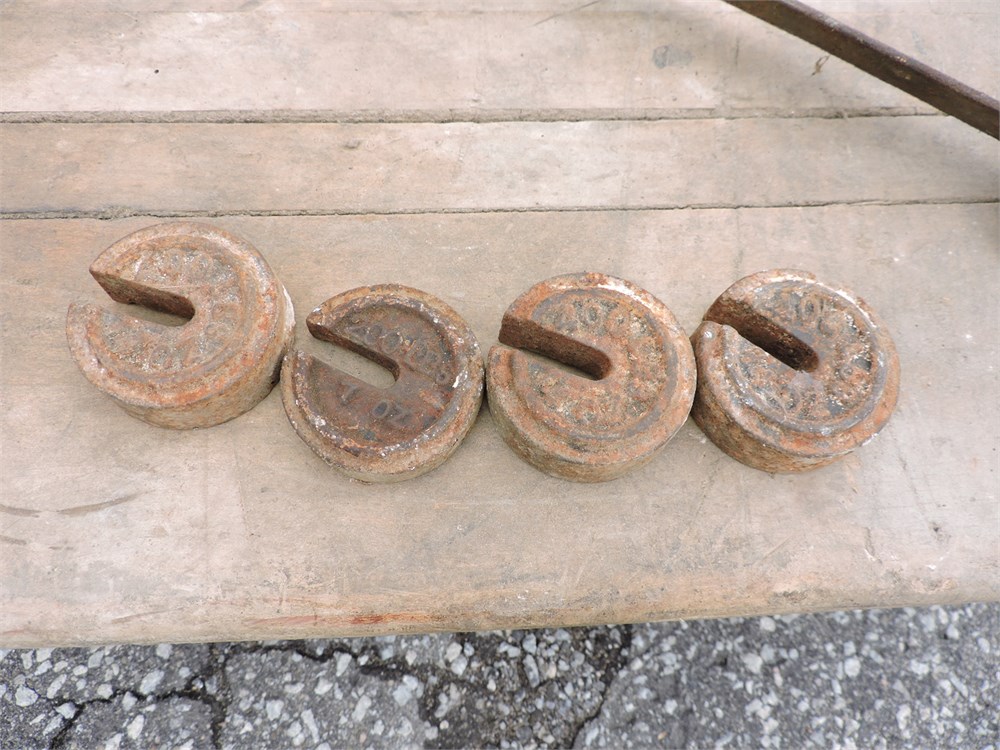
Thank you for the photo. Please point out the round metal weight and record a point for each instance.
(639, 390)
(218, 364)
(792, 373)
(395, 433)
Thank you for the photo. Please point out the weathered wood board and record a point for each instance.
(115, 531)
(193, 168)
(414, 59)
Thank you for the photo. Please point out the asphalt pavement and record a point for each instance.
(923, 678)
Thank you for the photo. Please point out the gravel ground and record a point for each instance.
(883, 678)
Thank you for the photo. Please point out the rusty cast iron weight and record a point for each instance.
(395, 433)
(627, 340)
(214, 367)
(792, 373)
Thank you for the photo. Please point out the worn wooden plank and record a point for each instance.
(433, 60)
(165, 169)
(113, 530)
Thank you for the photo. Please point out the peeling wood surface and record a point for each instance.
(115, 531)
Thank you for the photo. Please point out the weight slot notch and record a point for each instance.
(554, 349)
(364, 363)
(148, 303)
(767, 335)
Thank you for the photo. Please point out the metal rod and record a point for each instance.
(880, 60)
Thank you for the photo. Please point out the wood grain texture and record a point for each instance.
(187, 169)
(516, 60)
(118, 531)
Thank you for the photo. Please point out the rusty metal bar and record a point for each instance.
(880, 60)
